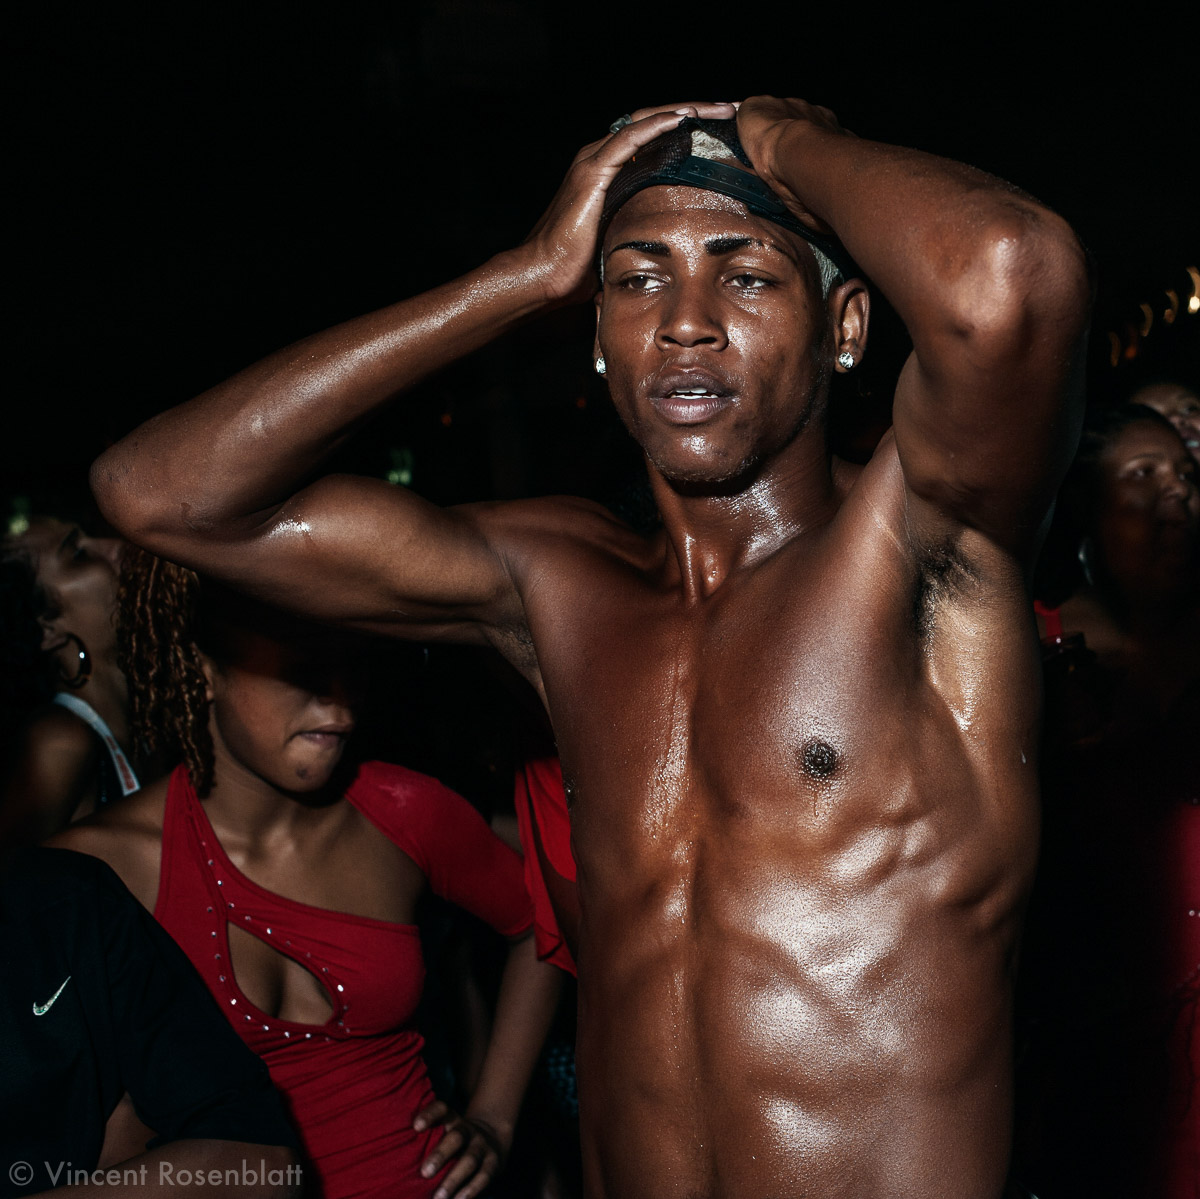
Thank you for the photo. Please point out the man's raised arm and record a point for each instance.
(994, 290)
(217, 483)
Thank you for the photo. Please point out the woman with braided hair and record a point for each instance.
(290, 876)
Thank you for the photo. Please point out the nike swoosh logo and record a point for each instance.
(40, 1009)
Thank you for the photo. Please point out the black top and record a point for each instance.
(96, 1000)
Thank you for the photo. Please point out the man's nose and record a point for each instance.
(691, 316)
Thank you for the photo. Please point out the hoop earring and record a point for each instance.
(84, 672)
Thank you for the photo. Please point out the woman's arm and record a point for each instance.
(482, 1136)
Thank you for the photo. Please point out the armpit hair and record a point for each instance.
(515, 643)
(943, 575)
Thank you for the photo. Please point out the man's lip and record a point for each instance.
(689, 409)
(689, 397)
(328, 731)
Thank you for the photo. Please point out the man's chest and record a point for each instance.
(827, 688)
(781, 682)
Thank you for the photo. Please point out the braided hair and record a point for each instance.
(158, 648)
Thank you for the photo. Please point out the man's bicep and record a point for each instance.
(984, 442)
(362, 552)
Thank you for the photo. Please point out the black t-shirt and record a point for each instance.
(96, 1000)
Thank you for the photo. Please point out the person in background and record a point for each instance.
(71, 753)
(97, 1002)
(291, 877)
(1179, 404)
(1111, 968)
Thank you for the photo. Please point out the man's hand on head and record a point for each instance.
(564, 240)
(763, 122)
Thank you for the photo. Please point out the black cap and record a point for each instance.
(689, 155)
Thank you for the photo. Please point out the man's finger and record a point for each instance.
(710, 109)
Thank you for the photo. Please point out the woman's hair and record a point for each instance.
(1059, 572)
(158, 648)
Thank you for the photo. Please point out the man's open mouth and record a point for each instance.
(691, 398)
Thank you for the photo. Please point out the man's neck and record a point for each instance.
(713, 533)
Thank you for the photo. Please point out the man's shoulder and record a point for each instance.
(62, 894)
(558, 524)
(54, 872)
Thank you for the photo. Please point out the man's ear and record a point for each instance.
(850, 313)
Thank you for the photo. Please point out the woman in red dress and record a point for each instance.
(291, 877)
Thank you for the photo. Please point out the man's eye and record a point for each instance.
(639, 283)
(749, 282)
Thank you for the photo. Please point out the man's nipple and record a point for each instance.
(818, 759)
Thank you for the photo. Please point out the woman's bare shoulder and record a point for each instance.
(128, 836)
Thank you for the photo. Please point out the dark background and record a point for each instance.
(192, 186)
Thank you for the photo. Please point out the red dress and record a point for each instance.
(354, 1083)
(544, 823)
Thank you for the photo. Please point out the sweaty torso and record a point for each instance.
(804, 815)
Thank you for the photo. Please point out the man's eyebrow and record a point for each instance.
(718, 246)
(715, 247)
(658, 249)
(730, 245)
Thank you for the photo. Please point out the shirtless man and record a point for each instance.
(798, 722)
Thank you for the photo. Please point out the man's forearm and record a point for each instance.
(228, 458)
(949, 245)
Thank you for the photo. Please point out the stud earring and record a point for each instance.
(601, 366)
(846, 360)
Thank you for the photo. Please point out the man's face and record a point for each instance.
(713, 330)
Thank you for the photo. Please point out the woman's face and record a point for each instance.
(1148, 515)
(283, 710)
(78, 577)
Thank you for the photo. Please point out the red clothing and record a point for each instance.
(545, 827)
(354, 1083)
